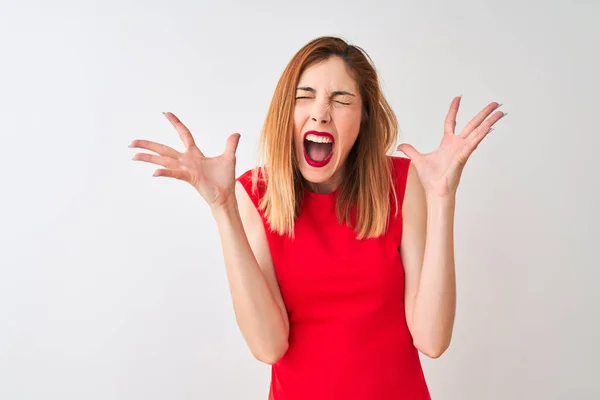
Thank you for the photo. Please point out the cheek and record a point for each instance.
(300, 116)
(348, 125)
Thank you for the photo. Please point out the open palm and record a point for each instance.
(441, 169)
(212, 177)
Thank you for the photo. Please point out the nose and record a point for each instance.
(319, 113)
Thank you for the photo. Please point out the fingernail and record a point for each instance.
(505, 114)
(499, 105)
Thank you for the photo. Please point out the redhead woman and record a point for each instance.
(339, 256)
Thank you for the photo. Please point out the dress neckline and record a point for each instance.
(312, 194)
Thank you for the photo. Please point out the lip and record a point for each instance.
(325, 134)
(325, 161)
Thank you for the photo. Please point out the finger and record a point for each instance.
(485, 126)
(172, 173)
(232, 144)
(475, 138)
(184, 132)
(479, 118)
(166, 162)
(450, 121)
(409, 150)
(155, 147)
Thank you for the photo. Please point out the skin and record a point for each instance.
(427, 247)
(327, 100)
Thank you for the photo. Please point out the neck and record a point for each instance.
(329, 185)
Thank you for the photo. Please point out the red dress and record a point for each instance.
(345, 299)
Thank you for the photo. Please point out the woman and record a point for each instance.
(339, 257)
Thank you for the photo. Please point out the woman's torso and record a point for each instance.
(345, 300)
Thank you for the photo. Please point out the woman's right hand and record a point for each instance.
(212, 177)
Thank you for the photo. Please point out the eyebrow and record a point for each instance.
(333, 94)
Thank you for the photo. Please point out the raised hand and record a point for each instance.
(440, 170)
(212, 177)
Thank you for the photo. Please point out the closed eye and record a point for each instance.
(337, 101)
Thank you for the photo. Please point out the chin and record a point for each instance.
(317, 174)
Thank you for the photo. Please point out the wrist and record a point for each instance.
(226, 209)
(444, 202)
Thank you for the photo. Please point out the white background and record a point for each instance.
(112, 283)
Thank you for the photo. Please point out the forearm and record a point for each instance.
(435, 302)
(260, 319)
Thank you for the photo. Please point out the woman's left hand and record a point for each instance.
(441, 169)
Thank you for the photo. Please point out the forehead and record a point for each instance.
(329, 75)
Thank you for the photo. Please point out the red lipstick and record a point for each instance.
(318, 164)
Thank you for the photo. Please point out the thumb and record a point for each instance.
(232, 144)
(409, 150)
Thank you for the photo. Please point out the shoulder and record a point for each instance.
(414, 201)
(407, 184)
(400, 168)
(245, 179)
(251, 216)
(245, 187)
(402, 172)
(399, 162)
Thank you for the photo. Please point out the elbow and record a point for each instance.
(432, 352)
(433, 349)
(272, 354)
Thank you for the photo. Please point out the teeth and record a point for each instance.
(318, 139)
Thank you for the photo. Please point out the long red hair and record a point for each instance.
(368, 181)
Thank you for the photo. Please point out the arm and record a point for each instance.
(258, 305)
(428, 257)
(427, 247)
(257, 302)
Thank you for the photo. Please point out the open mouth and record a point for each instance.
(318, 148)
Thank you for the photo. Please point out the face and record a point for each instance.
(327, 119)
